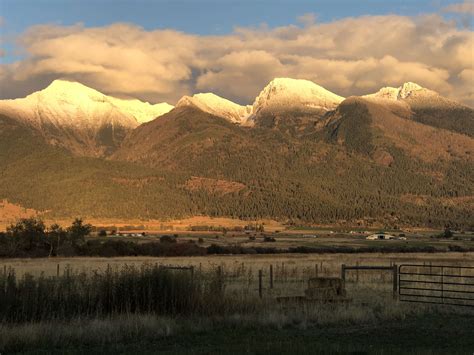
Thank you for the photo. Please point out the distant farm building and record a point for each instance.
(380, 236)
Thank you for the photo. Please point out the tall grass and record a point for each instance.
(149, 289)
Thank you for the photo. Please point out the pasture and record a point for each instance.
(230, 311)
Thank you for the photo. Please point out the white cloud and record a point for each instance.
(347, 56)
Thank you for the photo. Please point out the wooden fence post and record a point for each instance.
(219, 275)
(271, 275)
(395, 280)
(57, 270)
(260, 276)
(343, 272)
(316, 270)
(357, 273)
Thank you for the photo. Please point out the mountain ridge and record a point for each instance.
(360, 161)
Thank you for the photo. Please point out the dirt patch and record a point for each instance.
(419, 200)
(10, 212)
(423, 200)
(382, 157)
(467, 201)
(139, 182)
(176, 225)
(221, 187)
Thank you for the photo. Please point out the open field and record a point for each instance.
(328, 264)
(310, 238)
(237, 320)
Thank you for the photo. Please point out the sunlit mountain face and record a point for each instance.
(307, 152)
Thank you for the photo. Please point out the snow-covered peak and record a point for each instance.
(72, 89)
(286, 93)
(69, 103)
(216, 105)
(405, 91)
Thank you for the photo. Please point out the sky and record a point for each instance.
(161, 50)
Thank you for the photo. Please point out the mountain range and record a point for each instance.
(299, 153)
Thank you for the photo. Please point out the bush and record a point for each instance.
(102, 233)
(167, 239)
(447, 234)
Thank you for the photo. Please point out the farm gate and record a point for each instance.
(436, 284)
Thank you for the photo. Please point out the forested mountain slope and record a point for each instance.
(364, 161)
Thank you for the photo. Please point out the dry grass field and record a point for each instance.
(240, 272)
(328, 264)
(371, 321)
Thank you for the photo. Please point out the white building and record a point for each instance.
(380, 236)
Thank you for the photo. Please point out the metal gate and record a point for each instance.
(437, 284)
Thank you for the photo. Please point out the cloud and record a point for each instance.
(349, 56)
(307, 19)
(467, 7)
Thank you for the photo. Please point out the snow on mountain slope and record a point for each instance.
(415, 96)
(405, 91)
(66, 103)
(281, 94)
(216, 105)
(80, 119)
(426, 106)
(142, 111)
(286, 94)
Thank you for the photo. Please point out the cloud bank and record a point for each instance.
(351, 56)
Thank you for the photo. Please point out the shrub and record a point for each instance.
(102, 233)
(167, 239)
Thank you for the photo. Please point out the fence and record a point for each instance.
(437, 284)
(392, 268)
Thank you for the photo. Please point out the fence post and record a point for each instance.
(343, 272)
(357, 273)
(260, 276)
(57, 270)
(271, 275)
(220, 276)
(316, 270)
(395, 280)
